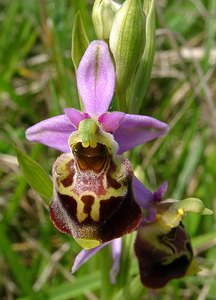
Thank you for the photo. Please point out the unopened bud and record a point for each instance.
(127, 39)
(102, 15)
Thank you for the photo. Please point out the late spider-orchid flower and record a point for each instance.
(93, 184)
(162, 245)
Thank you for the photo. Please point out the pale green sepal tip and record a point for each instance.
(193, 205)
(103, 13)
(87, 132)
(88, 243)
(193, 268)
(79, 40)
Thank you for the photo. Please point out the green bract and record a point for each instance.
(35, 175)
(79, 40)
(127, 39)
(143, 73)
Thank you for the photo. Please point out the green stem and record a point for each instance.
(121, 101)
(105, 266)
(125, 260)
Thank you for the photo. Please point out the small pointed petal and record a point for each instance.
(116, 253)
(145, 199)
(110, 121)
(96, 78)
(53, 132)
(84, 256)
(75, 116)
(160, 192)
(142, 195)
(136, 129)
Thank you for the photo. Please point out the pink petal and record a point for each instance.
(142, 195)
(53, 132)
(137, 129)
(110, 121)
(147, 200)
(85, 255)
(116, 253)
(75, 116)
(96, 78)
(160, 192)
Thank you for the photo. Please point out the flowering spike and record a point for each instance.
(93, 185)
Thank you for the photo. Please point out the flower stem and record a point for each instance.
(125, 260)
(105, 266)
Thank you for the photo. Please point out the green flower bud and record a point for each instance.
(193, 205)
(102, 16)
(143, 73)
(171, 212)
(127, 39)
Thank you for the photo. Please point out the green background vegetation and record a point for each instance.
(37, 80)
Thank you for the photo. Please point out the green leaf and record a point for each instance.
(79, 40)
(35, 175)
(126, 261)
(69, 290)
(133, 290)
(15, 264)
(192, 160)
(76, 288)
(204, 239)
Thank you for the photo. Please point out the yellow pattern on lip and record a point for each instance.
(73, 189)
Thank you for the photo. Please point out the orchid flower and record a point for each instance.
(162, 245)
(93, 183)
